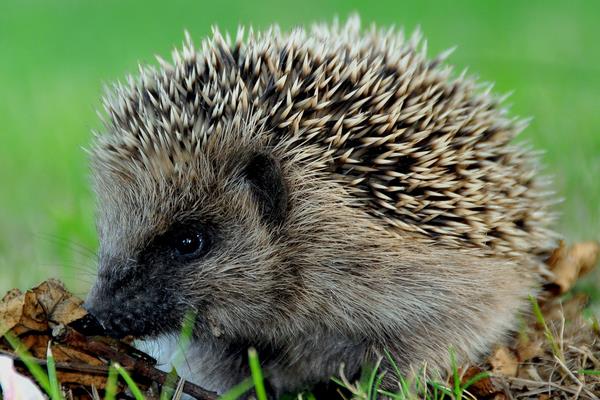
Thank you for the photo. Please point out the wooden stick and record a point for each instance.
(109, 350)
(135, 362)
(63, 366)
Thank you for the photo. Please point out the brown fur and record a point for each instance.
(358, 263)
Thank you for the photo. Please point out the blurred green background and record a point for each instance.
(55, 56)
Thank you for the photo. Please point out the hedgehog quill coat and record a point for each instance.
(321, 195)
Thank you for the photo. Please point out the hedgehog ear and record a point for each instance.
(263, 172)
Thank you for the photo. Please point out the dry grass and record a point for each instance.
(571, 369)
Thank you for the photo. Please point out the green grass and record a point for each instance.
(41, 377)
(56, 55)
(419, 386)
(52, 376)
(257, 375)
(552, 341)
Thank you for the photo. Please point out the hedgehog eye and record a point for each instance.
(188, 243)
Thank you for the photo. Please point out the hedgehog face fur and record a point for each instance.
(323, 196)
(217, 219)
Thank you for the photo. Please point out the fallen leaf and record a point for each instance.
(48, 315)
(10, 310)
(60, 306)
(504, 362)
(39, 309)
(65, 353)
(84, 379)
(569, 263)
(483, 387)
(527, 350)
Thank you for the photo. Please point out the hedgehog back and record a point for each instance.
(419, 148)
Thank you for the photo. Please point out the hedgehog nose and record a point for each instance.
(88, 325)
(94, 322)
(101, 322)
(99, 311)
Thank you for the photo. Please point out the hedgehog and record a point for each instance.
(328, 196)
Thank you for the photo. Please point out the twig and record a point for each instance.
(581, 385)
(589, 354)
(137, 365)
(63, 366)
(547, 383)
(130, 359)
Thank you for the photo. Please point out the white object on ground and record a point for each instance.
(16, 386)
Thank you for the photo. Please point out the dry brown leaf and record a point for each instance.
(60, 305)
(554, 309)
(47, 314)
(39, 309)
(37, 345)
(504, 362)
(483, 387)
(10, 310)
(569, 263)
(64, 353)
(529, 349)
(83, 379)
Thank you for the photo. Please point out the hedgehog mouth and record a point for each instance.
(117, 326)
(129, 319)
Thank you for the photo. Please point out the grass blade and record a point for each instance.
(183, 342)
(457, 389)
(135, 390)
(377, 384)
(238, 390)
(167, 389)
(371, 395)
(257, 375)
(475, 379)
(179, 389)
(442, 389)
(110, 391)
(53, 379)
(547, 332)
(36, 371)
(589, 372)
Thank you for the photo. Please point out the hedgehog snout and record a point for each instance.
(117, 325)
(126, 304)
(128, 313)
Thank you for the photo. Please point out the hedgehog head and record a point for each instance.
(182, 229)
(219, 228)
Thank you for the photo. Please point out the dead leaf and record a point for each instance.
(483, 387)
(504, 362)
(98, 381)
(570, 263)
(528, 350)
(11, 294)
(39, 309)
(60, 305)
(49, 314)
(11, 310)
(65, 353)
